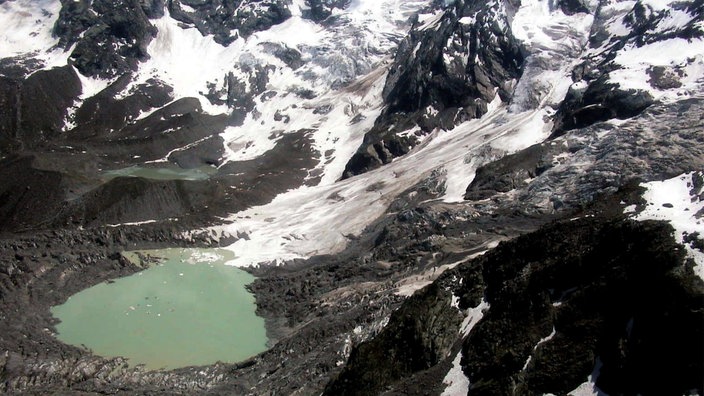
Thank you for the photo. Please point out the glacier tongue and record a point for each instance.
(318, 220)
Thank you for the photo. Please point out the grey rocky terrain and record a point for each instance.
(487, 166)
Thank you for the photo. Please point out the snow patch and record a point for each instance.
(629, 209)
(542, 341)
(473, 316)
(458, 175)
(678, 202)
(429, 21)
(414, 283)
(533, 131)
(137, 223)
(457, 383)
(684, 56)
(90, 86)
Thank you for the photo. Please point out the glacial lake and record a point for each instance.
(189, 309)
(163, 173)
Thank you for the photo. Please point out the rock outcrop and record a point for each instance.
(444, 73)
(228, 20)
(110, 37)
(569, 297)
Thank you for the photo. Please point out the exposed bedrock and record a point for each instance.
(33, 111)
(228, 20)
(110, 36)
(561, 299)
(571, 7)
(442, 76)
(600, 101)
(321, 9)
(27, 196)
(419, 335)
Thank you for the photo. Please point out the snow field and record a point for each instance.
(678, 202)
(458, 383)
(26, 30)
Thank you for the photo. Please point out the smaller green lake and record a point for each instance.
(163, 173)
(190, 309)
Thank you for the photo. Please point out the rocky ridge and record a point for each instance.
(553, 313)
(444, 73)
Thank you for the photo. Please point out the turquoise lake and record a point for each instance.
(190, 309)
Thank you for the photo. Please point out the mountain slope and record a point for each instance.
(437, 197)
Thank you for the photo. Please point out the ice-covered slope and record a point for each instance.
(320, 219)
(27, 33)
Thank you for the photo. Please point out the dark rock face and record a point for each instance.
(571, 7)
(601, 101)
(291, 57)
(512, 171)
(111, 37)
(594, 285)
(321, 9)
(153, 8)
(221, 17)
(33, 111)
(471, 72)
(24, 191)
(419, 335)
(561, 299)
(442, 75)
(128, 199)
(238, 94)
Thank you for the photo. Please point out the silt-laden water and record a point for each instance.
(190, 309)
